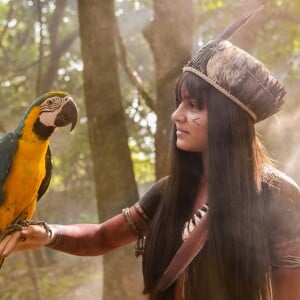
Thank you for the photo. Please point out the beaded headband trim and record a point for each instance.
(215, 84)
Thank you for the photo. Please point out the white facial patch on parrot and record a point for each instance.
(50, 108)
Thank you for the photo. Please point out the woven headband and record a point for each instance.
(215, 84)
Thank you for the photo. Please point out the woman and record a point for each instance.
(222, 194)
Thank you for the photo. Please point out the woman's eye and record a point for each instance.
(193, 104)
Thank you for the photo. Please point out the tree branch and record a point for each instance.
(41, 50)
(10, 15)
(133, 76)
(56, 21)
(55, 56)
(66, 43)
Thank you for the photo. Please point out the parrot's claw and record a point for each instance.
(23, 224)
(27, 223)
(10, 229)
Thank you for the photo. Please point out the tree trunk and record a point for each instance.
(170, 36)
(113, 169)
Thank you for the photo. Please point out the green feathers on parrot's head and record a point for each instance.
(48, 111)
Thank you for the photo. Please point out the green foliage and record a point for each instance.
(19, 52)
(144, 167)
(210, 5)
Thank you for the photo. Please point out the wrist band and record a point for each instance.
(56, 233)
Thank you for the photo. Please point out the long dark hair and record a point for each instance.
(234, 262)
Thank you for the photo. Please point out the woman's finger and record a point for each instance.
(15, 238)
(9, 242)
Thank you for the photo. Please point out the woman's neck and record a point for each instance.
(202, 193)
(204, 156)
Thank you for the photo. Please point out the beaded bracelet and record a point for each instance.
(130, 221)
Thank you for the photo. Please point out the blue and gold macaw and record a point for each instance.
(25, 158)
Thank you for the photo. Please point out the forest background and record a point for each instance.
(119, 60)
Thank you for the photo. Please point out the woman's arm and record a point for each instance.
(286, 277)
(77, 239)
(94, 239)
(90, 239)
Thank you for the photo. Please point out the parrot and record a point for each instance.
(25, 159)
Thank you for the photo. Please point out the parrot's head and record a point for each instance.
(51, 110)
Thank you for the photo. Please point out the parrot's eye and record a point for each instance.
(50, 102)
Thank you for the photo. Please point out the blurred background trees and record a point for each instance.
(132, 52)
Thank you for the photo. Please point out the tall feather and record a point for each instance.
(236, 25)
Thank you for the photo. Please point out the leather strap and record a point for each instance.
(185, 254)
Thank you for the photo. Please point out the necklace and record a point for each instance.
(194, 220)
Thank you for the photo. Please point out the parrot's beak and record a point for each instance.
(67, 115)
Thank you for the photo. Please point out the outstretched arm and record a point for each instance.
(93, 239)
(89, 239)
(77, 239)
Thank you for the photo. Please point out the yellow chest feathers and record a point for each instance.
(26, 173)
(28, 167)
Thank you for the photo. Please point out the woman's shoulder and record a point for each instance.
(283, 188)
(150, 200)
(283, 208)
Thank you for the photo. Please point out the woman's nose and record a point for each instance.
(178, 115)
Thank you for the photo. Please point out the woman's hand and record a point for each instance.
(29, 238)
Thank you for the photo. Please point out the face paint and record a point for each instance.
(197, 121)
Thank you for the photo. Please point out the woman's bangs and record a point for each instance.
(195, 86)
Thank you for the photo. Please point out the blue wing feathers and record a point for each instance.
(8, 146)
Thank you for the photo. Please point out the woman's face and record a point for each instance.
(191, 123)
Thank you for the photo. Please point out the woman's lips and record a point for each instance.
(180, 131)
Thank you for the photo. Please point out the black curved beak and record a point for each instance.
(67, 115)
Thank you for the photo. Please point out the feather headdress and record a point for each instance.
(237, 74)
